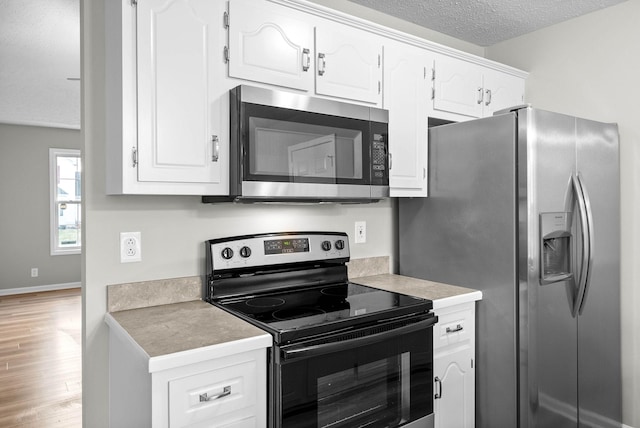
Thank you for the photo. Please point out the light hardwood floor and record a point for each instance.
(40, 360)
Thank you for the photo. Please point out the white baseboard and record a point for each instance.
(626, 426)
(39, 288)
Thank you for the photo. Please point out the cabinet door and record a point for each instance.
(501, 91)
(175, 51)
(270, 44)
(348, 64)
(406, 96)
(458, 87)
(454, 388)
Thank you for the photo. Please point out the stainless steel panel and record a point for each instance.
(465, 234)
(280, 190)
(599, 367)
(294, 101)
(548, 334)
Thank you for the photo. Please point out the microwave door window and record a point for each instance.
(313, 158)
(292, 151)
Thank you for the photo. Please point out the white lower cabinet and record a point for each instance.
(182, 390)
(453, 363)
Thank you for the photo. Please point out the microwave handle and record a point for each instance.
(302, 351)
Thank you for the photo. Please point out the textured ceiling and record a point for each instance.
(40, 62)
(486, 22)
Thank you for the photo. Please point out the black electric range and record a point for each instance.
(344, 354)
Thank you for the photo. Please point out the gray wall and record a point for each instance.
(24, 217)
(589, 67)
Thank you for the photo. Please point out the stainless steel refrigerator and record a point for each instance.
(525, 206)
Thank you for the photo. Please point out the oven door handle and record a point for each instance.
(308, 351)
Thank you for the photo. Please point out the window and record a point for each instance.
(66, 201)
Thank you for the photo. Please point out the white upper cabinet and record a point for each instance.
(457, 87)
(348, 64)
(501, 91)
(270, 44)
(276, 45)
(176, 47)
(163, 116)
(468, 89)
(407, 84)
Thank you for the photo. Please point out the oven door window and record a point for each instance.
(293, 146)
(386, 384)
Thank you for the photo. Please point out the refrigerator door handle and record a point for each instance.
(586, 246)
(587, 206)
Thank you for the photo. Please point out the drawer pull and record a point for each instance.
(454, 330)
(206, 397)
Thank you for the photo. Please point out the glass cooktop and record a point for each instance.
(316, 307)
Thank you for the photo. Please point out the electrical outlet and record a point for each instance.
(34, 272)
(130, 247)
(361, 232)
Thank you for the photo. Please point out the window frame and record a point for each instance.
(56, 249)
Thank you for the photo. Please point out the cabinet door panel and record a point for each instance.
(175, 49)
(455, 407)
(269, 44)
(348, 64)
(458, 87)
(501, 91)
(406, 91)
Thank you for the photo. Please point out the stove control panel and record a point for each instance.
(272, 249)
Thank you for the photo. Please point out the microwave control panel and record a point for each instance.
(379, 159)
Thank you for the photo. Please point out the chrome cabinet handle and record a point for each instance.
(390, 161)
(439, 393)
(321, 64)
(480, 95)
(206, 397)
(216, 148)
(488, 92)
(306, 64)
(453, 330)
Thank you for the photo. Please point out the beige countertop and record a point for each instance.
(179, 333)
(181, 329)
(443, 295)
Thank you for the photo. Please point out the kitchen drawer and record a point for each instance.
(455, 324)
(232, 397)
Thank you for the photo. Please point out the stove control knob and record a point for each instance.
(245, 252)
(326, 245)
(227, 253)
(339, 244)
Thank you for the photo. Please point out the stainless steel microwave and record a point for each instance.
(291, 147)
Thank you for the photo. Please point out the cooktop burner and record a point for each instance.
(265, 302)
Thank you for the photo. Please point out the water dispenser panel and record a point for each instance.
(555, 257)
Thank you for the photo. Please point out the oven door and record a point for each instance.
(376, 377)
